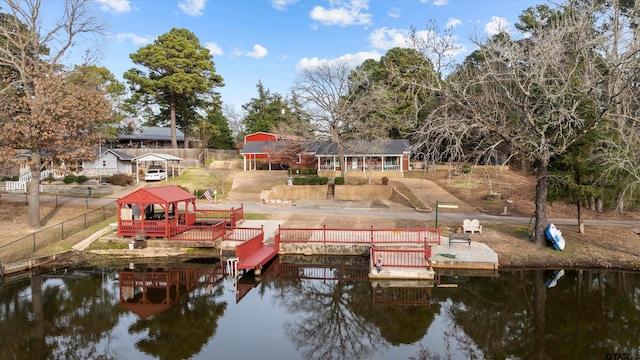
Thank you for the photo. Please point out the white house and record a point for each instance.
(110, 162)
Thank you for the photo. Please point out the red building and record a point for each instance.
(388, 156)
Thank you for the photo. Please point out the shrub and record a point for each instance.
(82, 179)
(299, 181)
(121, 179)
(466, 168)
(70, 179)
(310, 180)
(385, 180)
(339, 180)
(302, 171)
(50, 179)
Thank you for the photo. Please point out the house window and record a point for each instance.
(104, 163)
(299, 159)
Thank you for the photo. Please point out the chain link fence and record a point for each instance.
(26, 246)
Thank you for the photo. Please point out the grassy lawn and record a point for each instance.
(193, 179)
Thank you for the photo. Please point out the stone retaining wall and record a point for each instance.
(362, 192)
(298, 192)
(324, 249)
(319, 192)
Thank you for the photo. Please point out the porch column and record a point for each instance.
(382, 165)
(244, 162)
(364, 162)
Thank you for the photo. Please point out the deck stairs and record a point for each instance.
(21, 184)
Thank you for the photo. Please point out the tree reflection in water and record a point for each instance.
(338, 319)
(77, 314)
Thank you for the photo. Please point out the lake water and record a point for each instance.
(317, 308)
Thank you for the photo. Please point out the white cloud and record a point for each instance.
(496, 26)
(258, 52)
(136, 39)
(386, 39)
(394, 13)
(437, 2)
(282, 4)
(352, 60)
(192, 7)
(343, 13)
(452, 23)
(116, 6)
(214, 49)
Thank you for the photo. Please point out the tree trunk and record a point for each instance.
(599, 205)
(343, 161)
(172, 112)
(186, 138)
(34, 192)
(542, 187)
(580, 220)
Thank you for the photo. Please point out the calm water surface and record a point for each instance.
(317, 308)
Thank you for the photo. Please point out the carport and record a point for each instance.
(164, 159)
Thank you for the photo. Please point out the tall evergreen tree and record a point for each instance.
(179, 70)
(223, 140)
(264, 112)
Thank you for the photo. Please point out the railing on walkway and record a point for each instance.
(249, 247)
(209, 233)
(360, 236)
(411, 258)
(26, 246)
(21, 184)
(232, 215)
(243, 234)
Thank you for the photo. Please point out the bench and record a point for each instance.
(471, 226)
(459, 238)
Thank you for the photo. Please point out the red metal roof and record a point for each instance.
(157, 195)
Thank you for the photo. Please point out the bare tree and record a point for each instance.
(335, 105)
(235, 121)
(43, 111)
(536, 96)
(619, 152)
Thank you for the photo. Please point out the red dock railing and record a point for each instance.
(360, 236)
(198, 232)
(411, 258)
(253, 253)
(232, 215)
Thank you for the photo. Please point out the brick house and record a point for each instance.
(382, 157)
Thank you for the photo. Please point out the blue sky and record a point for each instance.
(270, 40)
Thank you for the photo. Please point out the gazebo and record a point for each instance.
(155, 211)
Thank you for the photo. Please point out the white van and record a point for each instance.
(155, 175)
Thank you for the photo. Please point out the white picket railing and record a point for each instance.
(16, 186)
(21, 184)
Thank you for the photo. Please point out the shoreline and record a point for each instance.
(170, 255)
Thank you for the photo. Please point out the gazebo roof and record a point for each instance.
(157, 195)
